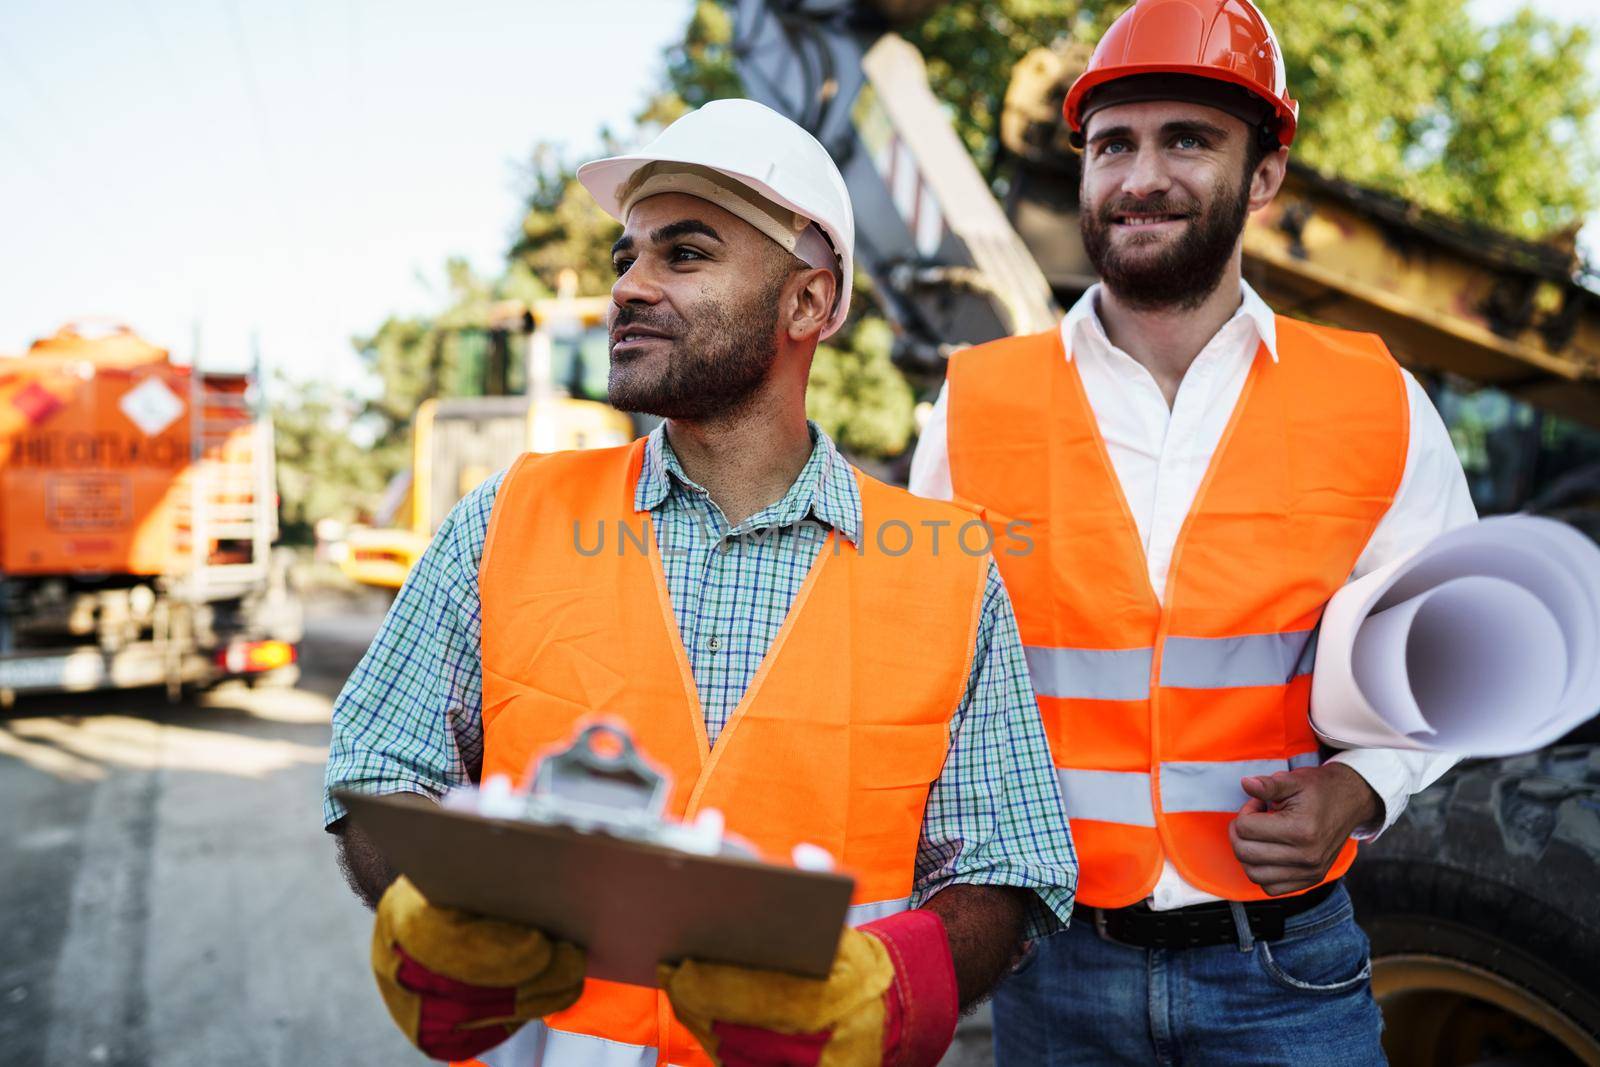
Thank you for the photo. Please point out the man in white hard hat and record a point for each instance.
(1201, 476)
(794, 642)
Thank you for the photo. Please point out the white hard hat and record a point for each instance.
(759, 149)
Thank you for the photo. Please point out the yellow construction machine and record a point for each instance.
(457, 442)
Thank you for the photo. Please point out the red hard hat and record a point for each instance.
(1221, 40)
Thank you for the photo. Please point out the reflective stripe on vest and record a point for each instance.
(1124, 796)
(1090, 673)
(879, 909)
(837, 741)
(1189, 663)
(1209, 680)
(538, 1045)
(1237, 662)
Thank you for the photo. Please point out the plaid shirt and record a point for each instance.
(409, 718)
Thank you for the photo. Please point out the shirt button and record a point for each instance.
(714, 643)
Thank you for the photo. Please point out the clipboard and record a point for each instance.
(631, 903)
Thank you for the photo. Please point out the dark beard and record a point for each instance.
(1184, 274)
(713, 367)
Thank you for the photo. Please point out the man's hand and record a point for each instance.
(890, 999)
(1291, 829)
(456, 984)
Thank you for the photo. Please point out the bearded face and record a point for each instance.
(694, 318)
(1165, 195)
(1168, 250)
(698, 361)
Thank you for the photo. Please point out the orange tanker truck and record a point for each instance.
(137, 517)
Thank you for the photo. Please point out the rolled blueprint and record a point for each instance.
(1486, 642)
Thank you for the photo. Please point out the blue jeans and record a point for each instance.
(1305, 1000)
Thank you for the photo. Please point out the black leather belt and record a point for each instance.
(1198, 925)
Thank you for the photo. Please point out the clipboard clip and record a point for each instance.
(602, 769)
(600, 784)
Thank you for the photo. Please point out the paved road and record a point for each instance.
(168, 894)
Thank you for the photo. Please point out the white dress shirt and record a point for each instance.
(1161, 455)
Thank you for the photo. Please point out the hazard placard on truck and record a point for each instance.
(137, 518)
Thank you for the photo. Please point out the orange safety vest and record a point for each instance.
(836, 742)
(1156, 708)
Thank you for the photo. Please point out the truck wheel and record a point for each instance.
(1482, 910)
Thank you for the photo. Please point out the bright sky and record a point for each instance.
(291, 166)
(299, 167)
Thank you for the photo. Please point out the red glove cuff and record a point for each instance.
(921, 1008)
(448, 1006)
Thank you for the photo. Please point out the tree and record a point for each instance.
(322, 471)
(563, 228)
(700, 68)
(857, 396)
(1492, 123)
(414, 358)
(970, 48)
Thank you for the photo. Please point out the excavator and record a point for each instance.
(1480, 901)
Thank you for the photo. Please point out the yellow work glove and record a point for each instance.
(890, 999)
(458, 984)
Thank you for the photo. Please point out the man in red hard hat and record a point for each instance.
(1200, 477)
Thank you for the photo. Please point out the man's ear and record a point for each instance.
(1268, 178)
(814, 290)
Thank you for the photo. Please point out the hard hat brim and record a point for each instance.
(1287, 111)
(607, 179)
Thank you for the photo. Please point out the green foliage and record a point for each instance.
(405, 355)
(418, 357)
(1491, 123)
(857, 396)
(322, 472)
(970, 47)
(563, 229)
(700, 68)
